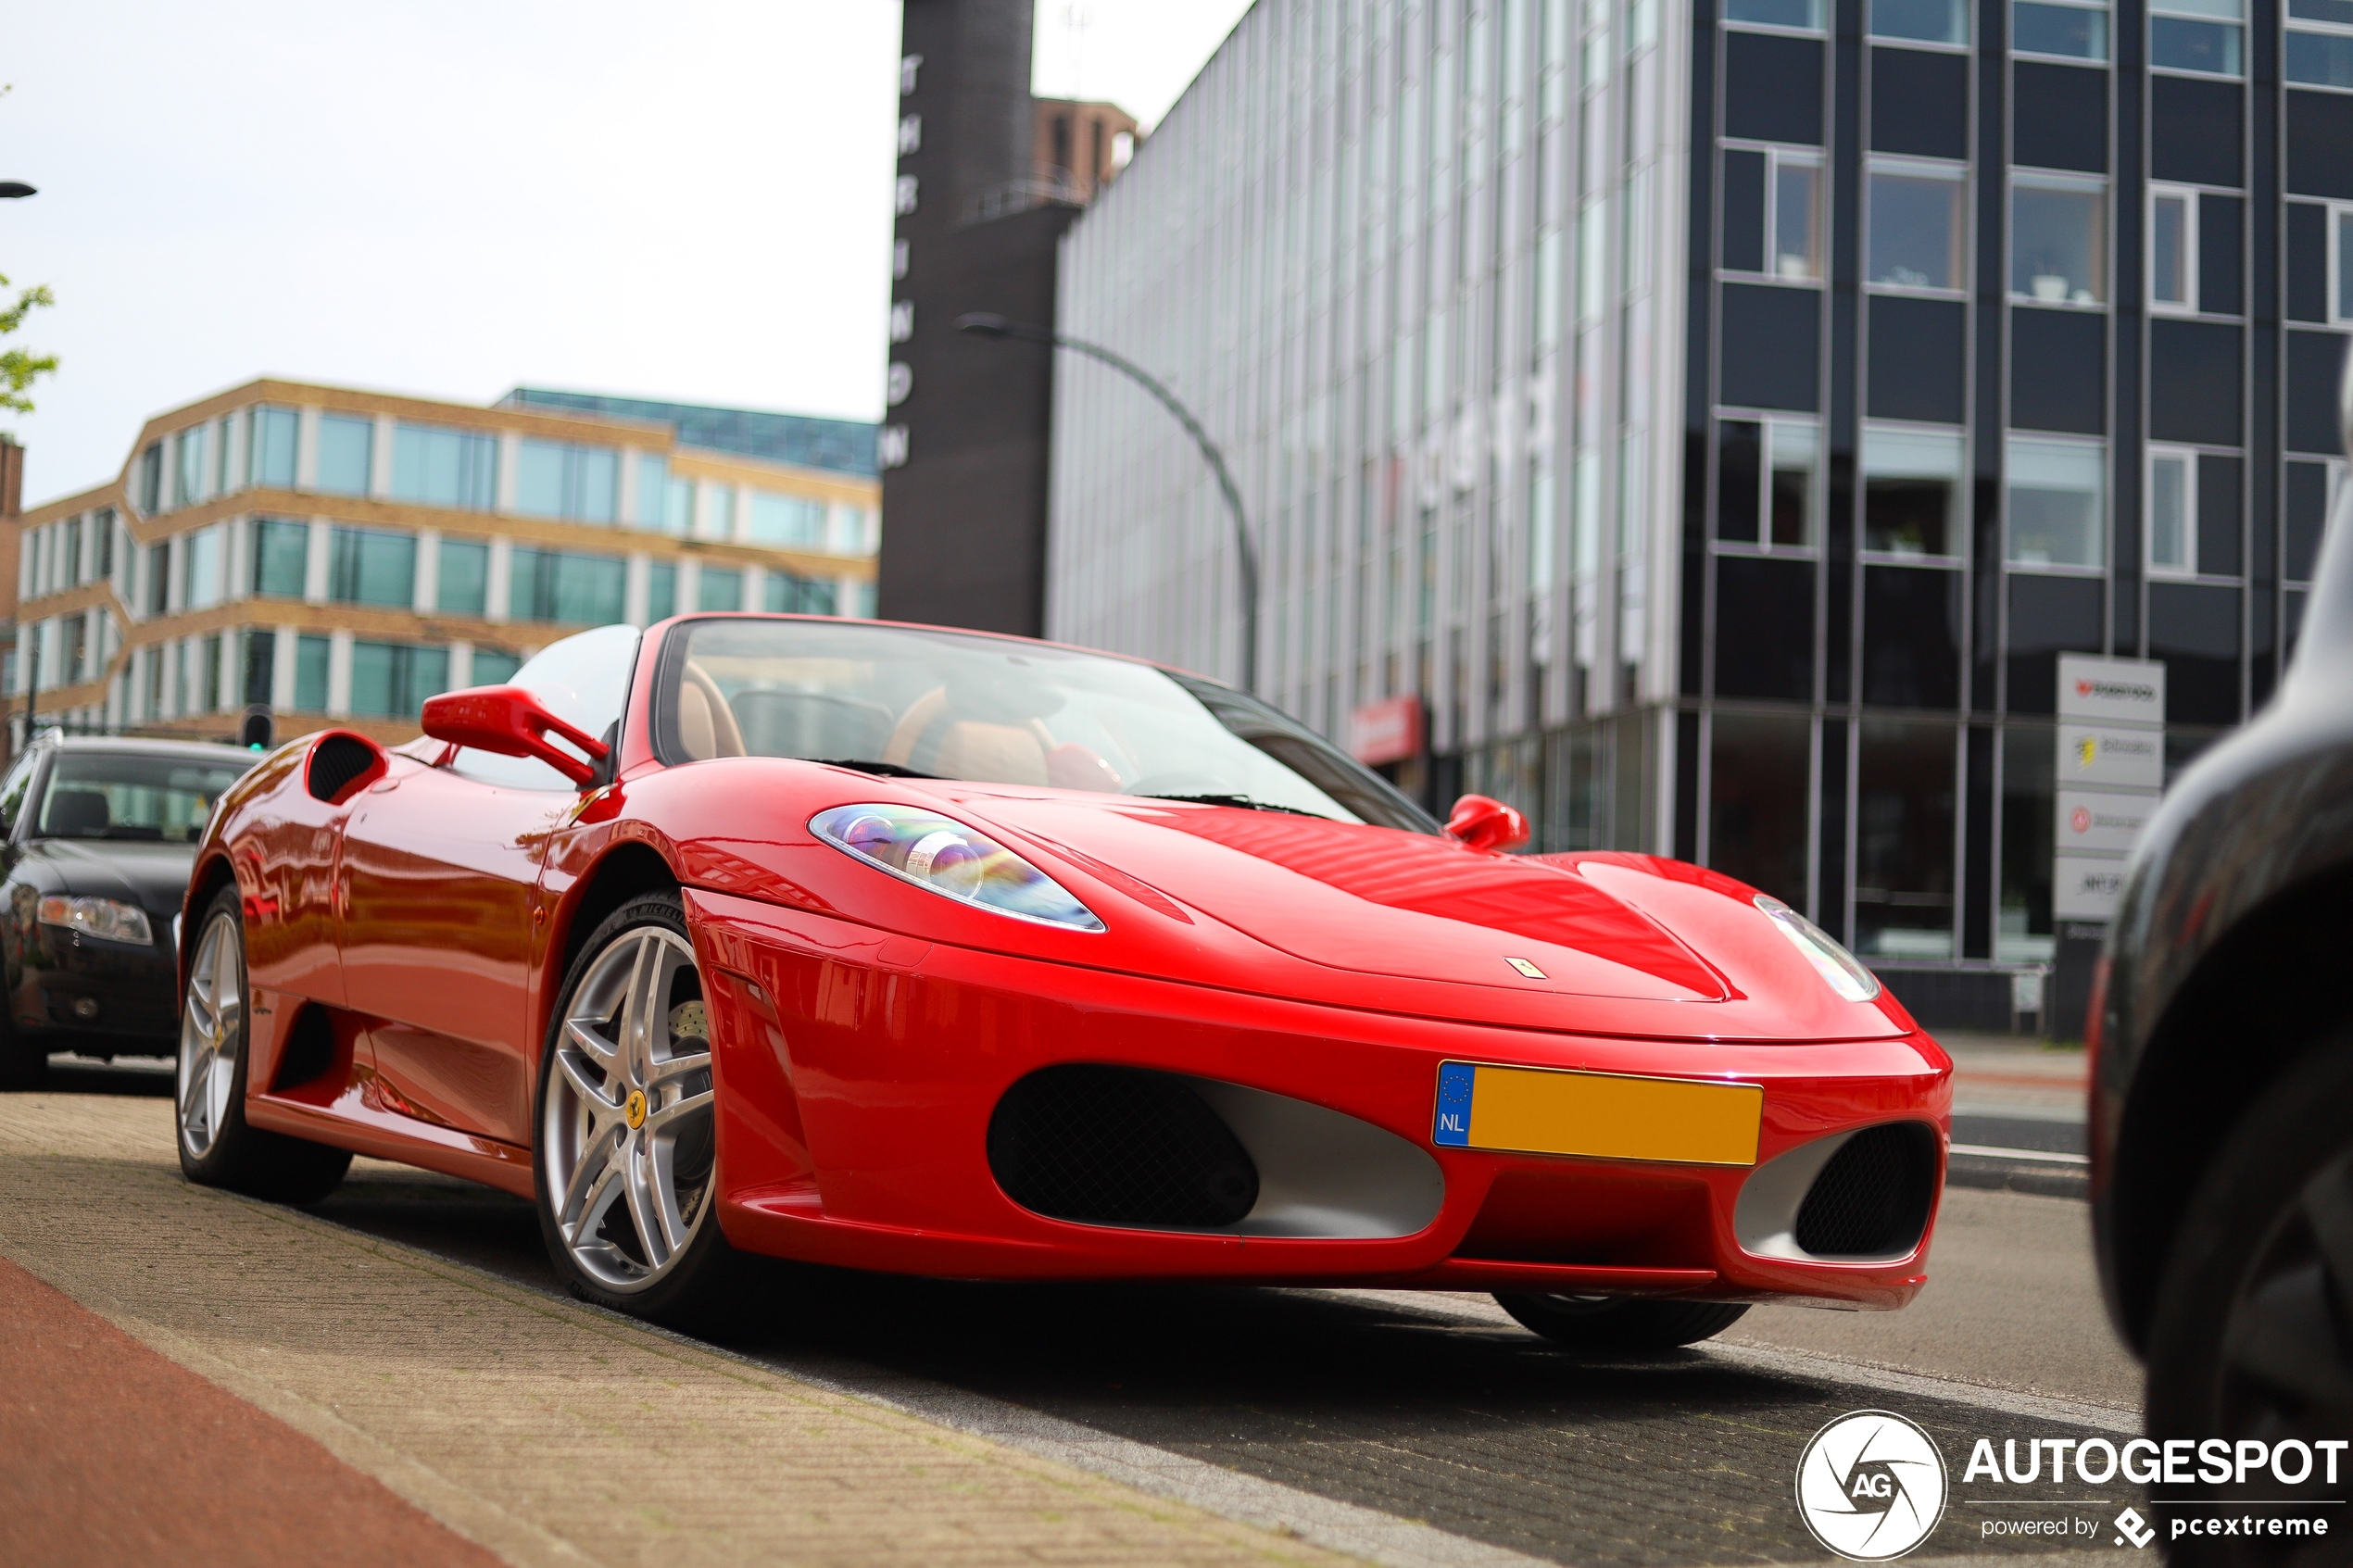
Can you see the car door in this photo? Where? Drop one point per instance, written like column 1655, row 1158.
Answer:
column 440, row 868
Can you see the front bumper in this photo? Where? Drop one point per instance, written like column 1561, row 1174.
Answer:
column 858, row 1072
column 82, row 991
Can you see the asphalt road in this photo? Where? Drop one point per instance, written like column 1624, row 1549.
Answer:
column 1429, row 1408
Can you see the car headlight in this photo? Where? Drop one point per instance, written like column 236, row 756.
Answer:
column 1843, row 970
column 952, row 860
column 98, row 917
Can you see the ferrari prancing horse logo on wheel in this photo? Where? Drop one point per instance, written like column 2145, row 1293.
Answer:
column 634, row 1109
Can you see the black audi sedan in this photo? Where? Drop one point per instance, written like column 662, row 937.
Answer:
column 98, row 837
column 2221, row 1117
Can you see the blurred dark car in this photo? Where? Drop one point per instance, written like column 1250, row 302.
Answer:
column 2221, row 1114
column 96, row 840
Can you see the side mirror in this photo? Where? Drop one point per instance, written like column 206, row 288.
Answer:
column 1483, row 822
column 510, row 721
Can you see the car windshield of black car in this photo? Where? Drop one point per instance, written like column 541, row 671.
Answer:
column 125, row 795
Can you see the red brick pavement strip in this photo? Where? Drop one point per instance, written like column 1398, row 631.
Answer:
column 112, row 1456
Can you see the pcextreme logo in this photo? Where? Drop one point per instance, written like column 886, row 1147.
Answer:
column 1871, row 1485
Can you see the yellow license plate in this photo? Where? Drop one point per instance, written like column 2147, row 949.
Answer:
column 1598, row 1115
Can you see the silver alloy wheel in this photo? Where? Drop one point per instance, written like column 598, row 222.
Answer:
column 626, row 1130
column 210, row 1024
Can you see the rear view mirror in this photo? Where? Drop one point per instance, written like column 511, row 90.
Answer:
column 510, row 721
column 1483, row 822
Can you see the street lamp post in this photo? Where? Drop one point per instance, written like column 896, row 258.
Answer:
column 1246, row 554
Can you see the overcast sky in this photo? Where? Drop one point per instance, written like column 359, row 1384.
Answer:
column 687, row 201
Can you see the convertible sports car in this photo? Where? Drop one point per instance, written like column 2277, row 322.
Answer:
column 937, row 953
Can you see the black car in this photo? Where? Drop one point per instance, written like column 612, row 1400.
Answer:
column 2222, row 1118
column 98, row 837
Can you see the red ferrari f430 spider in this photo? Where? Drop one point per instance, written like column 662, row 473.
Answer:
column 936, row 953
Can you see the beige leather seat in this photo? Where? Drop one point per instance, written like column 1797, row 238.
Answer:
column 707, row 725
column 991, row 753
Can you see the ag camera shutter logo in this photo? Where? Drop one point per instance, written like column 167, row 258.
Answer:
column 1872, row 1485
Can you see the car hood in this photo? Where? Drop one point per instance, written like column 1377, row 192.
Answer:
column 153, row 876
column 1626, row 943
column 1380, row 900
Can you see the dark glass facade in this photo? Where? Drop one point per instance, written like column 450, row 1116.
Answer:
column 1747, row 524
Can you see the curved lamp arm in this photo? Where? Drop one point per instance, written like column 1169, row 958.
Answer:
column 985, row 324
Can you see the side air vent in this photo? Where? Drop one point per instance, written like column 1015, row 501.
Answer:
column 1873, row 1197
column 1119, row 1146
column 339, row 761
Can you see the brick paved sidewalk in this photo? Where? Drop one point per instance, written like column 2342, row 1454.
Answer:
column 547, row 1432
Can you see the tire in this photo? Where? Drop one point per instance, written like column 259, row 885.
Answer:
column 624, row 1155
column 1613, row 1323
column 218, row 1146
column 2250, row 1336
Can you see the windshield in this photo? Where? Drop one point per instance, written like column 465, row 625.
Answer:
column 122, row 795
column 919, row 704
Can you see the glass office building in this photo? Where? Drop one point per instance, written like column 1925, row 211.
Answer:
column 1721, row 417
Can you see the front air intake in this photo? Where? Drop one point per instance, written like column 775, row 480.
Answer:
column 1873, row 1197
column 1119, row 1146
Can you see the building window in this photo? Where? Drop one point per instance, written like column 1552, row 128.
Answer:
column 787, row 519
column 1904, row 800
column 347, row 452
column 261, row 663
column 791, row 595
column 372, row 566
column 1918, row 224
column 1760, row 768
column 461, row 580
column 271, row 438
column 1806, row 14
column 2074, row 33
column 200, row 686
column 442, row 467
column 2322, row 55
column 494, row 667
column 1772, row 212
column 200, row 583
column 718, row 511
column 564, row 585
column 151, row 479
column 2172, row 249
column 2201, row 35
column 561, row 478
column 718, row 588
column 2173, row 531
column 311, row 657
column 664, row 503
column 392, row 680
column 187, row 475
column 661, row 591
column 2341, row 266
column 1924, row 21
column 280, row 558
column 1912, row 489
column 225, row 479
column 1768, row 479
column 2058, row 503
column 2058, row 240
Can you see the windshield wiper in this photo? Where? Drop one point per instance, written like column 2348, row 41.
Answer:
column 1248, row 803
column 880, row 770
